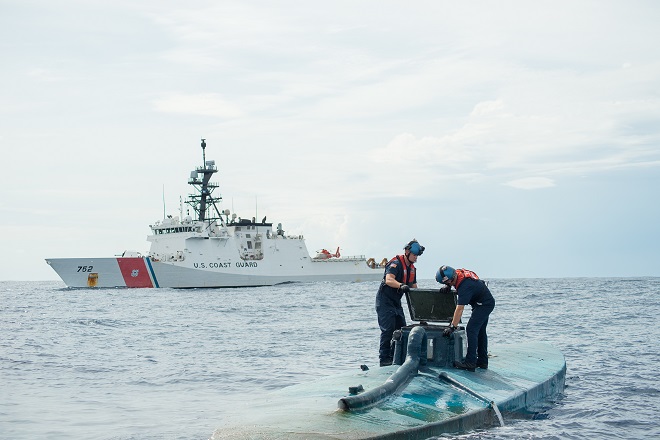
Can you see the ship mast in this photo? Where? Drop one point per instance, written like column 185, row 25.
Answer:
column 204, row 199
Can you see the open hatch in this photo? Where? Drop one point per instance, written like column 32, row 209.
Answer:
column 431, row 305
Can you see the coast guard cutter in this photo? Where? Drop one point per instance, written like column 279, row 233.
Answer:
column 215, row 249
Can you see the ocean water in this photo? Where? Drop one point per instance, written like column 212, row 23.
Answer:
column 170, row 364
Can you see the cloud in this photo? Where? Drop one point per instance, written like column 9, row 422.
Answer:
column 531, row 183
column 209, row 104
column 47, row 75
column 328, row 108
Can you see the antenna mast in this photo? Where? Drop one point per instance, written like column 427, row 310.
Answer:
column 204, row 153
column 204, row 199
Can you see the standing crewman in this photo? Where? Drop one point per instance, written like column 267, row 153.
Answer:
column 471, row 290
column 399, row 277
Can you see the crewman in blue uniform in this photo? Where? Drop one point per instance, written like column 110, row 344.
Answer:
column 400, row 275
column 470, row 290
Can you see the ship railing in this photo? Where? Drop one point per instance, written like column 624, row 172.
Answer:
column 342, row 258
column 199, row 182
column 289, row 237
column 207, row 167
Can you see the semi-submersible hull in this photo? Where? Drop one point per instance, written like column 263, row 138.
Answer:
column 432, row 401
column 420, row 396
column 215, row 248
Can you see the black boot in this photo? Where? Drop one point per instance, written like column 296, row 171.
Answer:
column 464, row 366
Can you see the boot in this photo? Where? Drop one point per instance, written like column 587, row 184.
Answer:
column 464, row 366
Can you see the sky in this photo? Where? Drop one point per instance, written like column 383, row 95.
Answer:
column 512, row 138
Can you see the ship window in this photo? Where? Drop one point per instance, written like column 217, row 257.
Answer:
column 247, row 235
column 257, row 245
column 249, row 244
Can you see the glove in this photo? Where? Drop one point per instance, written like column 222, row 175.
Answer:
column 448, row 331
column 404, row 288
column 445, row 290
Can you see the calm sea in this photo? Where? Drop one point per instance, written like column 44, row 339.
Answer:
column 169, row 364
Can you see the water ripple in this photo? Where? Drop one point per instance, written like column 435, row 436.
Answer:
column 165, row 363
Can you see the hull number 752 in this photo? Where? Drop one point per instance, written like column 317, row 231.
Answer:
column 85, row 268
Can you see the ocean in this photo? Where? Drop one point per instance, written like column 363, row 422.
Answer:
column 166, row 364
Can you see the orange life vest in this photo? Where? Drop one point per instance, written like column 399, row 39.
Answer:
column 461, row 274
column 408, row 275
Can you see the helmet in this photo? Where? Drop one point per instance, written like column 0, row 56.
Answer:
column 414, row 247
column 445, row 274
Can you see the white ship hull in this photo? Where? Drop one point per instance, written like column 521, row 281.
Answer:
column 142, row 272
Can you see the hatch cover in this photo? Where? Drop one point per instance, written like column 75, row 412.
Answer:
column 431, row 305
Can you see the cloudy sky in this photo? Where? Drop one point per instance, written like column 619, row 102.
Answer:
column 514, row 138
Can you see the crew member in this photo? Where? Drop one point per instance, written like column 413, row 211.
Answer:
column 399, row 277
column 471, row 290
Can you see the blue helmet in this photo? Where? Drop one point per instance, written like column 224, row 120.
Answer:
column 414, row 247
column 445, row 274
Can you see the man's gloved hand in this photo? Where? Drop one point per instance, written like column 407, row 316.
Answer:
column 445, row 290
column 404, row 288
column 448, row 331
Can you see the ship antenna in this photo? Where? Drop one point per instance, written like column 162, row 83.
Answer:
column 203, row 152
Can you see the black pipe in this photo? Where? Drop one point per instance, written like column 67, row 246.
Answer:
column 395, row 381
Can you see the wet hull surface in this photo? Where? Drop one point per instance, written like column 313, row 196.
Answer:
column 518, row 376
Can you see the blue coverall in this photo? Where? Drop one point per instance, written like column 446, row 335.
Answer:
column 388, row 304
column 476, row 293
